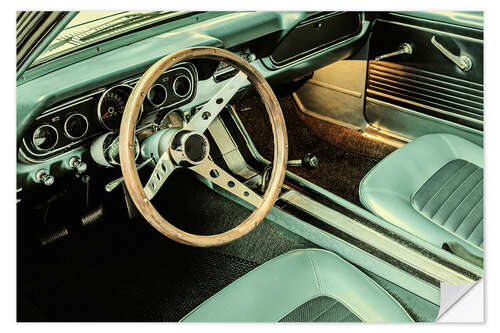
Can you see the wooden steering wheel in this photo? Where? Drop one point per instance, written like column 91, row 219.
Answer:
column 189, row 148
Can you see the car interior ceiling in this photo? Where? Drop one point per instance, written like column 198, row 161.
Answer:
column 86, row 254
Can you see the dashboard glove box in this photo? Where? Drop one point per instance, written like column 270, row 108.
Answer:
column 316, row 33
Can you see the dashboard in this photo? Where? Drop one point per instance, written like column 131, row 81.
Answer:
column 73, row 123
column 71, row 112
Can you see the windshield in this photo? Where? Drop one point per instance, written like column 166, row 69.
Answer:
column 87, row 28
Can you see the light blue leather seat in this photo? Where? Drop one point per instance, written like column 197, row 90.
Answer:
column 433, row 188
column 301, row 285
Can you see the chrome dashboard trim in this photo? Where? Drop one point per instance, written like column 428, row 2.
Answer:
column 193, row 79
column 71, row 103
column 42, row 157
column 66, row 131
column 190, row 86
column 100, row 103
column 50, row 152
column 33, row 137
column 164, row 100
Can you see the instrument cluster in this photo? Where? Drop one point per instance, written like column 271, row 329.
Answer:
column 72, row 123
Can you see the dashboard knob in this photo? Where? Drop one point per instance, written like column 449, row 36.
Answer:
column 77, row 164
column 43, row 177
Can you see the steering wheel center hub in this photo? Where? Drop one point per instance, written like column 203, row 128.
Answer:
column 189, row 148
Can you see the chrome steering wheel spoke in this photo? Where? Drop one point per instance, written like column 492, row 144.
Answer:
column 162, row 170
column 211, row 110
column 211, row 171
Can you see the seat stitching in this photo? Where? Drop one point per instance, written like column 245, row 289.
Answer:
column 470, row 212
column 369, row 280
column 442, row 186
column 340, row 320
column 257, row 269
column 462, row 201
column 447, row 230
column 316, row 274
column 454, row 191
column 448, row 198
column 356, row 312
column 345, row 316
column 325, row 310
column 475, row 227
column 294, row 307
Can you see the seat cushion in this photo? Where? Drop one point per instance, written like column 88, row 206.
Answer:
column 301, row 285
column 433, row 188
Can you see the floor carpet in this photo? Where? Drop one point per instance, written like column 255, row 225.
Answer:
column 124, row 270
column 345, row 155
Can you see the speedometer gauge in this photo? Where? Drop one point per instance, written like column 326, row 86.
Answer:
column 111, row 107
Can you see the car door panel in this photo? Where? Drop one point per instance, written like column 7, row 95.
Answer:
column 424, row 92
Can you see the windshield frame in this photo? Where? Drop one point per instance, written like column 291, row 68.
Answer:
column 115, row 42
column 104, row 30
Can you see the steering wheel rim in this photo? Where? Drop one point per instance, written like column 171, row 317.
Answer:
column 127, row 158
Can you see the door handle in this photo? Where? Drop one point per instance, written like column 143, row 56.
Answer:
column 404, row 48
column 463, row 62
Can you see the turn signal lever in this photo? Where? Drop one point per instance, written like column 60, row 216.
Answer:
column 309, row 161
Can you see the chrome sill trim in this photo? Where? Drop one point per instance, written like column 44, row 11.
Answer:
column 371, row 237
column 442, row 254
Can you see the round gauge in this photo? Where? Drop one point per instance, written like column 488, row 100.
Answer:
column 111, row 106
column 45, row 137
column 76, row 126
column 182, row 86
column 173, row 119
column 157, row 95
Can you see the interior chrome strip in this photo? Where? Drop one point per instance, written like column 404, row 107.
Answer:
column 453, row 35
column 55, row 150
column 190, row 86
column 71, row 103
column 193, row 76
column 41, row 126
column 442, row 254
column 370, row 236
column 448, row 113
column 425, row 116
column 66, row 125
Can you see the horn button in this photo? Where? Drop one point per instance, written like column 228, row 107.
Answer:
column 189, row 148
